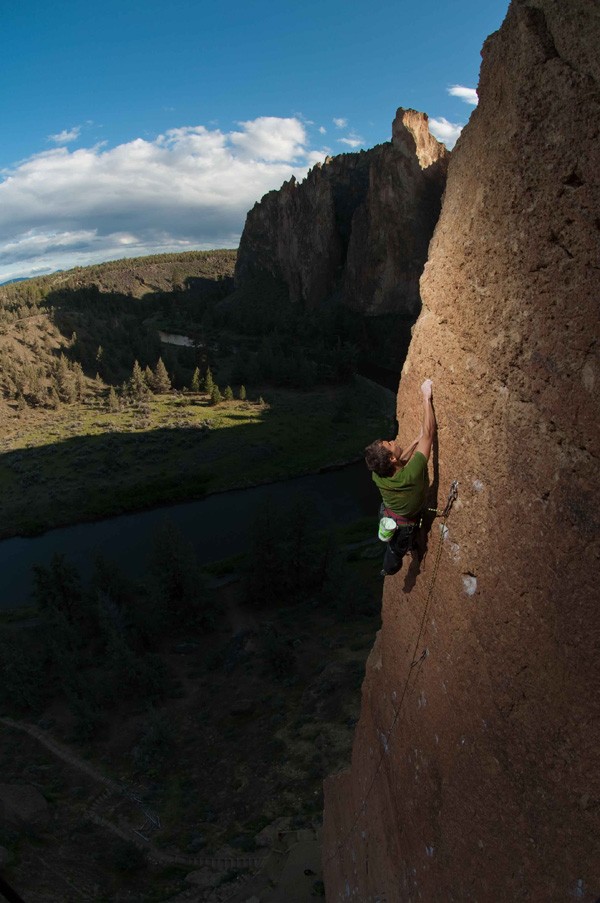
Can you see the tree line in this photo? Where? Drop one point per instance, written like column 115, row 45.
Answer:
column 98, row 643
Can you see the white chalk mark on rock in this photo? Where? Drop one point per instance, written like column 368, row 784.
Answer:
column 470, row 584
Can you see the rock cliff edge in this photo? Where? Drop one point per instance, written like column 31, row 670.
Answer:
column 482, row 781
column 329, row 235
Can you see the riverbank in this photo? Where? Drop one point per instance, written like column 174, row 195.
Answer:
column 222, row 524
column 85, row 463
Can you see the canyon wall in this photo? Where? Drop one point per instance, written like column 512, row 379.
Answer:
column 476, row 765
column 330, row 233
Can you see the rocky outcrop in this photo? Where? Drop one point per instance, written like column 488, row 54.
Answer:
column 329, row 234
column 475, row 770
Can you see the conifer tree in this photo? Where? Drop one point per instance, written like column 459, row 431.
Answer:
column 228, row 393
column 243, row 395
column 149, row 377
column 78, row 380
column 65, row 381
column 162, row 382
column 209, row 382
column 215, row 395
column 112, row 402
column 137, row 384
column 195, row 386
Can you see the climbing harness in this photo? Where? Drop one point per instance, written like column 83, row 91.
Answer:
column 416, row 664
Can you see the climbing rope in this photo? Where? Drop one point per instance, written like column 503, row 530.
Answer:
column 416, row 663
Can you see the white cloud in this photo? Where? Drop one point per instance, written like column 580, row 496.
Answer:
column 445, row 131
column 66, row 136
column 188, row 188
column 352, row 140
column 317, row 156
column 322, row 130
column 340, row 123
column 469, row 95
column 269, row 138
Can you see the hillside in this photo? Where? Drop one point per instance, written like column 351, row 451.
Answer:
column 101, row 318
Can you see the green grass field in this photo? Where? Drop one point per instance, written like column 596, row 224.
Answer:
column 83, row 462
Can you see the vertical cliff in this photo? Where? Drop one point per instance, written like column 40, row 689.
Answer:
column 329, row 234
column 476, row 768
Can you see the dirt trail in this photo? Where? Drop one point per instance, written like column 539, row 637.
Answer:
column 264, row 870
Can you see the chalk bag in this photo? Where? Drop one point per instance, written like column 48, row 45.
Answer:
column 387, row 528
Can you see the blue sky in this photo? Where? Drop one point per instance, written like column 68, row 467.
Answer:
column 141, row 127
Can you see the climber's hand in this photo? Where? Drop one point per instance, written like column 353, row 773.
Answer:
column 426, row 388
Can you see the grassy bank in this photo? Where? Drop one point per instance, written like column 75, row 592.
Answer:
column 84, row 462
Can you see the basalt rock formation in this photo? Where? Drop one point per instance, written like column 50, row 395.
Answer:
column 476, row 765
column 330, row 233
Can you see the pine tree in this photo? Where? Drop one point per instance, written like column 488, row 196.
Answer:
column 209, row 382
column 137, row 384
column 228, row 393
column 149, row 377
column 79, row 380
column 162, row 383
column 65, row 381
column 243, row 395
column 195, row 386
column 112, row 402
column 215, row 395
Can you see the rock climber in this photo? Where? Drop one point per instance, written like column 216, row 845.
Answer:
column 401, row 476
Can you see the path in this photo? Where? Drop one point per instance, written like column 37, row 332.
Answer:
column 285, row 861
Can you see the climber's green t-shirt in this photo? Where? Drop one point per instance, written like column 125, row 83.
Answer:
column 405, row 493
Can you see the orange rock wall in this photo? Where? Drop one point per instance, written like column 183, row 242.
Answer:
column 486, row 785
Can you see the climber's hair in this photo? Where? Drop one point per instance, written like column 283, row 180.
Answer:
column 379, row 459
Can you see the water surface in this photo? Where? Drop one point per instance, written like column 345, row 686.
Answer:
column 217, row 526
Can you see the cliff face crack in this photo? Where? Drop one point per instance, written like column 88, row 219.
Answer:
column 555, row 240
column 573, row 180
column 536, row 21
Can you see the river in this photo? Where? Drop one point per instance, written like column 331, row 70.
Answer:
column 218, row 526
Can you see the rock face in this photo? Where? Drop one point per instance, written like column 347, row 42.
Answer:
column 329, row 234
column 476, row 769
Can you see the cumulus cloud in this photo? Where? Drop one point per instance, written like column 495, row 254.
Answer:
column 445, row 131
column 66, row 136
column 322, row 130
column 340, row 123
column 469, row 95
column 352, row 140
column 269, row 138
column 188, row 188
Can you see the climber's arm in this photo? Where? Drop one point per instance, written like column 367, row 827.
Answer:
column 428, row 427
column 405, row 454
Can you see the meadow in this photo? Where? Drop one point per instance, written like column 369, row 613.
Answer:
column 83, row 462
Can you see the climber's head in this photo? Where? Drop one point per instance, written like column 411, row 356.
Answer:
column 380, row 457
